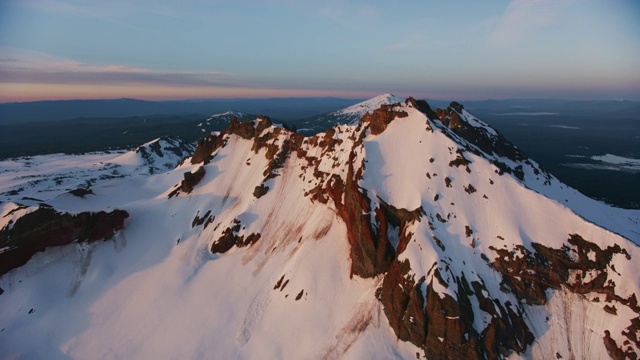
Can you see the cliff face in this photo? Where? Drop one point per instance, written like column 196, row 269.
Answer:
column 46, row 227
column 415, row 232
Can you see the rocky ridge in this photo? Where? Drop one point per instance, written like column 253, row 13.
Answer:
column 442, row 323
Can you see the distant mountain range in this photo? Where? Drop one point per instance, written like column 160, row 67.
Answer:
column 288, row 109
column 282, row 108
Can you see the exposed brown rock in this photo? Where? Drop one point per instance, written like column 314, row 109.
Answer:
column 371, row 254
column 442, row 327
column 450, row 334
column 46, row 227
column 529, row 274
column 507, row 331
column 454, row 121
column 460, row 160
column 279, row 283
column 614, row 351
column 230, row 237
column 403, row 303
column 381, row 117
column 245, row 129
column 633, row 332
column 260, row 190
column 204, row 149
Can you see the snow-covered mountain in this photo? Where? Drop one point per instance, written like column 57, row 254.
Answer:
column 347, row 116
column 352, row 114
column 219, row 122
column 413, row 233
column 38, row 179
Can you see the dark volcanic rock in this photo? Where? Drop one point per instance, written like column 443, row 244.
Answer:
column 204, row 148
column 81, row 192
column 260, row 190
column 423, row 107
column 192, row 179
column 45, row 227
column 489, row 143
column 230, row 237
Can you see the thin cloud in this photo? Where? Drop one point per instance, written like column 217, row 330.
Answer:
column 524, row 16
column 414, row 41
column 89, row 10
column 346, row 15
column 31, row 67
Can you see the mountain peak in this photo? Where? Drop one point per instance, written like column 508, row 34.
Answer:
column 355, row 112
column 414, row 225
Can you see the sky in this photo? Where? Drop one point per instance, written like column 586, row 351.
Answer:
column 196, row 49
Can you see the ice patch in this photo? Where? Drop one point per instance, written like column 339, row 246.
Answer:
column 565, row 127
column 607, row 162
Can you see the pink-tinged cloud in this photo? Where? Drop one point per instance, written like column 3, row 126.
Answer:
column 28, row 75
column 29, row 67
column 523, row 16
column 10, row 92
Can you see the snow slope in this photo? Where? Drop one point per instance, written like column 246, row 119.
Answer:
column 288, row 285
column 352, row 114
column 37, row 179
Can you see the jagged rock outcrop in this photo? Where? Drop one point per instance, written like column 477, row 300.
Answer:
column 529, row 275
column 371, row 250
column 381, row 117
column 46, row 227
column 163, row 153
column 204, row 148
column 488, row 141
column 190, row 180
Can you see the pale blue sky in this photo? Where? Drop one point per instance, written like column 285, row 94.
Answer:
column 587, row 49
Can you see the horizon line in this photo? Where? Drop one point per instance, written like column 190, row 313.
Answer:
column 467, row 99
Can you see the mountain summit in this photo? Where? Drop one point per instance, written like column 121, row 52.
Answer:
column 347, row 116
column 415, row 232
column 352, row 114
